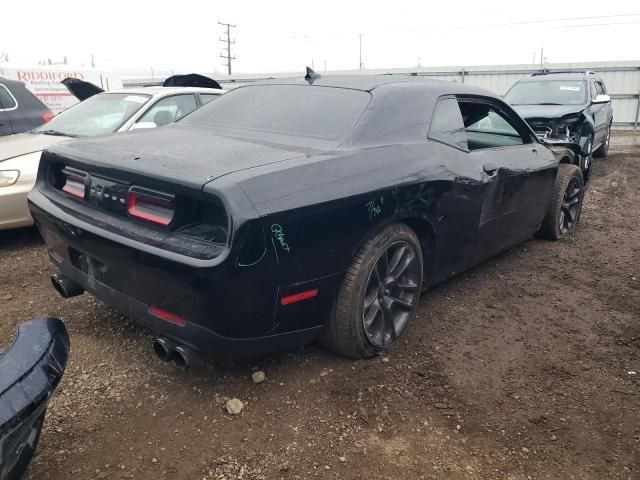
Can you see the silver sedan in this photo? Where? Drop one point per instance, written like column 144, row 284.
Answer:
column 101, row 114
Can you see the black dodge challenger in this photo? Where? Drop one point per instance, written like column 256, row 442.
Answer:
column 298, row 209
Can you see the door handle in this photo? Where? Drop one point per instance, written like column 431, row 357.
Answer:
column 490, row 168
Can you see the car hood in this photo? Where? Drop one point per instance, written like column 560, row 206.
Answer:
column 186, row 154
column 23, row 143
column 81, row 89
column 547, row 111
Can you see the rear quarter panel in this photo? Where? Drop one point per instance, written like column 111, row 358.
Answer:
column 317, row 211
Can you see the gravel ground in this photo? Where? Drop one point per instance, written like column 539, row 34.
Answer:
column 519, row 369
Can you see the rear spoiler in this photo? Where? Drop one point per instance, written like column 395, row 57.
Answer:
column 31, row 369
column 81, row 89
column 191, row 80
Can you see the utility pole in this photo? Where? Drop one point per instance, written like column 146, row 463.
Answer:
column 360, row 64
column 227, row 56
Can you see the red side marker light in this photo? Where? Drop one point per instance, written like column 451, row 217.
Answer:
column 167, row 316
column 298, row 297
column 47, row 116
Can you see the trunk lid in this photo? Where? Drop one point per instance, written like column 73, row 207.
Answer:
column 187, row 155
column 81, row 89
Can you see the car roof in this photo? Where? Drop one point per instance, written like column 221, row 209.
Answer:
column 163, row 91
column 368, row 83
column 559, row 76
column 10, row 82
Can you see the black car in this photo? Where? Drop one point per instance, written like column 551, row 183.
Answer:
column 296, row 209
column 570, row 106
column 20, row 110
column 31, row 368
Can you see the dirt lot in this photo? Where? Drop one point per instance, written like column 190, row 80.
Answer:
column 521, row 368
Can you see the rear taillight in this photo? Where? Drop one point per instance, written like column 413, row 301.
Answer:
column 73, row 183
column 47, row 116
column 151, row 206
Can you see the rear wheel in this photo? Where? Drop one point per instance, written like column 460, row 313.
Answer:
column 603, row 150
column 566, row 204
column 378, row 296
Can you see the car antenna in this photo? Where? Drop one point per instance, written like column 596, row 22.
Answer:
column 311, row 76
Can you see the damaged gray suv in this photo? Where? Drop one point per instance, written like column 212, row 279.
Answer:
column 569, row 106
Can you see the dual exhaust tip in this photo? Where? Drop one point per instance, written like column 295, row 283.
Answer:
column 66, row 287
column 169, row 351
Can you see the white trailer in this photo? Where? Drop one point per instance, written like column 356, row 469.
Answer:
column 44, row 82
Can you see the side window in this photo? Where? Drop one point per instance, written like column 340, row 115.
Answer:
column 207, row 97
column 169, row 110
column 600, row 88
column 446, row 124
column 488, row 127
column 7, row 101
column 594, row 90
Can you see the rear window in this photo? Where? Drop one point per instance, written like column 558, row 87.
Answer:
column 7, row 102
column 296, row 110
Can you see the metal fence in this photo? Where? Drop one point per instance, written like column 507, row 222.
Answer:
column 622, row 80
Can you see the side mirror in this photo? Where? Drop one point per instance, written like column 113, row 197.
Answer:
column 602, row 99
column 139, row 125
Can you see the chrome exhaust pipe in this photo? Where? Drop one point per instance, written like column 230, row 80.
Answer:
column 66, row 287
column 186, row 358
column 164, row 348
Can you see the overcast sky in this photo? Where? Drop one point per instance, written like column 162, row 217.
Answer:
column 287, row 35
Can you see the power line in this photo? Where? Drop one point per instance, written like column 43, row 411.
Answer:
column 488, row 25
column 227, row 56
column 532, row 22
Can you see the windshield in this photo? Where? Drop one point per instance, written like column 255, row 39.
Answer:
column 294, row 110
column 548, row 92
column 98, row 115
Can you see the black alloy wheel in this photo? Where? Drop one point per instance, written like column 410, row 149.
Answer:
column 571, row 204
column 603, row 150
column 565, row 207
column 378, row 295
column 391, row 294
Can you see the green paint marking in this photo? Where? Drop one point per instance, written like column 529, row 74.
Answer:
column 373, row 208
column 279, row 236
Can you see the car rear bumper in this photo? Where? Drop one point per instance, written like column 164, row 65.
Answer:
column 31, row 369
column 225, row 307
column 196, row 336
column 14, row 210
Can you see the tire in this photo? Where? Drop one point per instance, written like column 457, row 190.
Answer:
column 367, row 289
column 566, row 204
column 589, row 146
column 603, row 150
